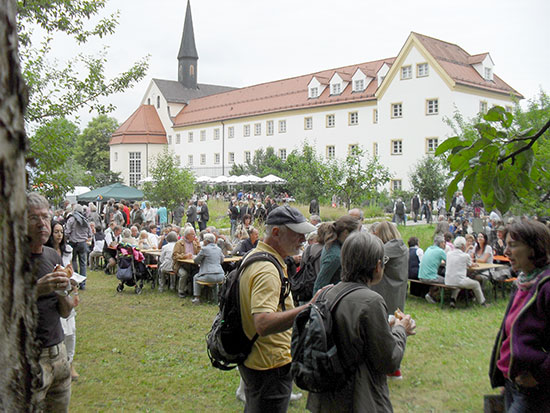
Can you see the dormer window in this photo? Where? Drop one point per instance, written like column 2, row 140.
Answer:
column 359, row 85
column 313, row 92
column 336, row 89
column 488, row 73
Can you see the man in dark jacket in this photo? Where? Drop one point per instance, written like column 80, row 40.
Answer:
column 203, row 215
column 78, row 232
column 192, row 214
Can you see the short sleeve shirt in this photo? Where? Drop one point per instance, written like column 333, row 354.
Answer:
column 48, row 330
column 430, row 263
column 259, row 290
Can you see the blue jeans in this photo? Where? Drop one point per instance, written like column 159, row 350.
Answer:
column 80, row 252
column 267, row 391
column 525, row 400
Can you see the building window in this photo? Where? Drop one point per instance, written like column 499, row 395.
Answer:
column 336, row 89
column 158, row 102
column 431, row 144
column 375, row 116
column 282, row 154
column 246, row 130
column 353, row 118
column 231, row 157
column 509, row 109
column 313, row 92
column 178, row 138
column 432, row 106
column 396, row 110
column 397, row 147
column 396, row 185
column 169, row 139
column 422, row 70
column 203, row 159
column 116, row 156
column 135, row 168
column 308, row 123
column 351, row 148
column 483, row 107
column 331, row 121
column 257, row 129
column 358, row 85
column 488, row 73
column 203, row 135
column 269, row 127
column 190, row 137
column 331, row 152
column 217, row 158
column 282, row 126
column 247, row 158
column 190, row 160
column 216, row 134
column 406, row 72
column 148, row 101
column 231, row 132
column 178, row 160
column 375, row 148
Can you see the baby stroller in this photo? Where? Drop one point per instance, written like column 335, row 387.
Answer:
column 131, row 268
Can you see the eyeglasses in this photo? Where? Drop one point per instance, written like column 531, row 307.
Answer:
column 36, row 218
column 385, row 259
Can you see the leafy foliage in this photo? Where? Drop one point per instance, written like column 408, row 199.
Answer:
column 92, row 145
column 171, row 184
column 355, row 180
column 501, row 161
column 429, row 178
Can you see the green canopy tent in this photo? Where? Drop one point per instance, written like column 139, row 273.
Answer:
column 116, row 191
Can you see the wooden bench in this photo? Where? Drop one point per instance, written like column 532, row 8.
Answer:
column 442, row 288
column 213, row 286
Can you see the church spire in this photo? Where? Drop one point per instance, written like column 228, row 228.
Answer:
column 188, row 56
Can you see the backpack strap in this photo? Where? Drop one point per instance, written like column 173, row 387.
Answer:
column 341, row 294
column 266, row 256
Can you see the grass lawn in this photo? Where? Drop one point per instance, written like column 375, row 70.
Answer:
column 147, row 353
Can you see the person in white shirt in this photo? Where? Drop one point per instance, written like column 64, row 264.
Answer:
column 153, row 237
column 166, row 264
column 458, row 262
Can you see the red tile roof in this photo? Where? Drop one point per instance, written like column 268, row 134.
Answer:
column 144, row 126
column 292, row 94
column 458, row 65
column 277, row 96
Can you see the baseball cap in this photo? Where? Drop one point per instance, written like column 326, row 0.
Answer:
column 290, row 217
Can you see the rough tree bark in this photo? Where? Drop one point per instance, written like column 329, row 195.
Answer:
column 18, row 352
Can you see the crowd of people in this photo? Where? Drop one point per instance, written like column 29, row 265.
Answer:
column 371, row 321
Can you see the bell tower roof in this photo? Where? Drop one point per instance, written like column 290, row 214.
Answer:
column 187, row 47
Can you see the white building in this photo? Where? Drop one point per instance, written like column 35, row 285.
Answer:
column 394, row 108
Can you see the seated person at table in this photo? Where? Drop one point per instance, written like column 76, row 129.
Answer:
column 499, row 244
column 112, row 238
column 186, row 248
column 456, row 268
column 483, row 251
column 166, row 264
column 210, row 259
column 432, row 259
column 221, row 240
column 153, row 237
column 127, row 237
column 247, row 244
column 143, row 241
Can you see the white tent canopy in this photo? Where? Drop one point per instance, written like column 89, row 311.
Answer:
column 241, row 180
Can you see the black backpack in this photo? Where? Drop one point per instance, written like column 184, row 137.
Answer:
column 301, row 284
column 226, row 343
column 400, row 208
column 316, row 364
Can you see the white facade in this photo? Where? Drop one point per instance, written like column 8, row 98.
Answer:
column 133, row 168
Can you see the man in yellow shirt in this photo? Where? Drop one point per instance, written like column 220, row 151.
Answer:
column 266, row 371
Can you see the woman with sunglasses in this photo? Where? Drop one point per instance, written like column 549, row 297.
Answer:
column 521, row 356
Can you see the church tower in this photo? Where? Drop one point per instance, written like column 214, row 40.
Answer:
column 188, row 56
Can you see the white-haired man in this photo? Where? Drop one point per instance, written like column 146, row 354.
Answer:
column 456, row 270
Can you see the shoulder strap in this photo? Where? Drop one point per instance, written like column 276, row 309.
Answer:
column 345, row 291
column 266, row 256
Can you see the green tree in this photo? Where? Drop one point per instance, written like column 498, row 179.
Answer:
column 501, row 161
column 92, row 145
column 171, row 184
column 305, row 172
column 58, row 89
column 429, row 178
column 355, row 180
column 51, row 147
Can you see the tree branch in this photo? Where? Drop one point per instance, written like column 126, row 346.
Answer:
column 533, row 140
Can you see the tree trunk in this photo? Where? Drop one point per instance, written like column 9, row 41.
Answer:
column 18, row 351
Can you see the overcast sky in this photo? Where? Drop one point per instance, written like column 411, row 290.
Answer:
column 246, row 42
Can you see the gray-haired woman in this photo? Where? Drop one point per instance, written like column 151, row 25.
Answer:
column 363, row 335
column 210, row 259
